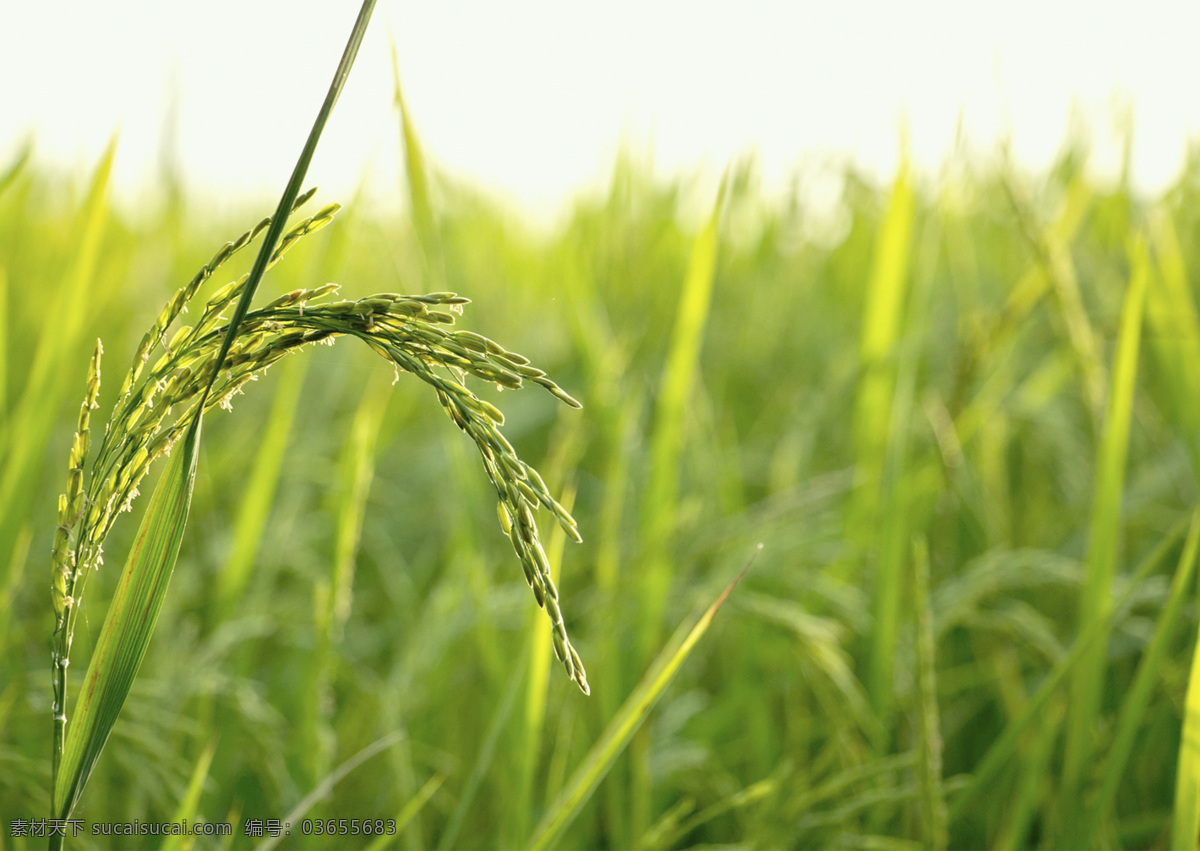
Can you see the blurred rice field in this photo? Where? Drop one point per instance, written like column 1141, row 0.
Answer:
column 961, row 413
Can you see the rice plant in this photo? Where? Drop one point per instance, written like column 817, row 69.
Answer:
column 960, row 413
column 412, row 332
column 206, row 365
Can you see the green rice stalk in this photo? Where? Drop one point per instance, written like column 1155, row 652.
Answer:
column 1088, row 679
column 64, row 561
column 133, row 439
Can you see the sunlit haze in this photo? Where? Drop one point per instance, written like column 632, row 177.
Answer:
column 532, row 100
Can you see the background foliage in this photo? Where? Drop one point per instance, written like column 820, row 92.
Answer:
column 913, row 400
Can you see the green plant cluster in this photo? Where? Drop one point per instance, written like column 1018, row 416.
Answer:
column 959, row 411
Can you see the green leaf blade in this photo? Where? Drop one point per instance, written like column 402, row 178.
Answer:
column 129, row 624
column 1185, row 825
column 1088, row 679
column 625, row 723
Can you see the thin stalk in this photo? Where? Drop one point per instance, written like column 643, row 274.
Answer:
column 279, row 220
column 1087, row 682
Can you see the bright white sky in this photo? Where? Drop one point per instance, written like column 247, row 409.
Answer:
column 531, row 99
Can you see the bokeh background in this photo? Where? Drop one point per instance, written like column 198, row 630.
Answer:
column 906, row 296
column 532, row 100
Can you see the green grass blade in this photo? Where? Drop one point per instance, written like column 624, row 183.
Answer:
column 1088, row 679
column 623, row 434
column 23, row 436
column 667, row 825
column 354, row 488
column 883, row 315
column 483, row 761
column 190, row 805
column 673, row 828
column 323, row 789
column 820, row 642
column 661, row 502
column 1185, row 822
column 408, row 812
column 665, row 442
column 623, row 725
column 1133, row 709
column 899, row 491
column 128, row 625
column 883, row 312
